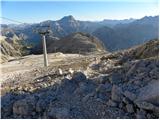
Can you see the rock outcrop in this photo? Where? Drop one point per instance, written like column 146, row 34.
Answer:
column 7, row 50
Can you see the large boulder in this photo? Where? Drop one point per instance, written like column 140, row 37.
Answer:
column 150, row 93
column 25, row 107
column 79, row 77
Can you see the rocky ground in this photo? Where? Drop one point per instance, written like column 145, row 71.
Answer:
column 123, row 84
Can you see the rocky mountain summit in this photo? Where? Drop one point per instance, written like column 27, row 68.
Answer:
column 122, row 84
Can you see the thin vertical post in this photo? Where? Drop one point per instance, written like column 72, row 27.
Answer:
column 45, row 51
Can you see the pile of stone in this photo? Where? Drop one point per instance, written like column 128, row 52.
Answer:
column 127, row 90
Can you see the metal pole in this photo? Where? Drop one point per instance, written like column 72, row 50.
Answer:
column 45, row 51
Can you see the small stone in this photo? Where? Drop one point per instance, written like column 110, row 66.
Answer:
column 20, row 88
column 40, row 105
column 87, row 97
column 141, row 114
column 104, row 79
column 103, row 96
column 46, row 78
column 125, row 100
column 104, row 88
column 116, row 93
column 147, row 106
column 59, row 113
column 59, row 72
column 130, row 108
column 112, row 103
column 115, row 78
column 121, row 105
column 130, row 95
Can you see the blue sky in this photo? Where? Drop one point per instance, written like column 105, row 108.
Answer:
column 37, row 11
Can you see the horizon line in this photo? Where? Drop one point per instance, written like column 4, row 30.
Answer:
column 20, row 22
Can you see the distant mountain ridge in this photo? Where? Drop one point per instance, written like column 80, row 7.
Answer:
column 115, row 34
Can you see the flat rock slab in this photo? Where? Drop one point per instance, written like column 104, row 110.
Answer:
column 150, row 93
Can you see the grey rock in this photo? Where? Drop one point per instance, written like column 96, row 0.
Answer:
column 47, row 78
column 68, row 85
column 7, row 104
column 104, row 79
column 79, row 77
column 147, row 106
column 130, row 95
column 103, row 96
column 112, row 103
column 149, row 93
column 87, row 97
column 102, row 88
column 126, row 100
column 130, row 108
column 116, row 94
column 141, row 114
column 59, row 113
column 84, row 88
column 25, row 106
column 41, row 105
column 115, row 78
column 121, row 105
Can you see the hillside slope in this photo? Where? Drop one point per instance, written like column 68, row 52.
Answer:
column 77, row 42
column 117, row 85
column 7, row 50
column 124, row 36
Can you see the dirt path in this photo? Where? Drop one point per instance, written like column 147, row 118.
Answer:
column 29, row 63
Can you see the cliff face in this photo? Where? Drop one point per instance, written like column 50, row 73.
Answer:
column 8, row 49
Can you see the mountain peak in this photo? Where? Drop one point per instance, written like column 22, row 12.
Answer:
column 68, row 18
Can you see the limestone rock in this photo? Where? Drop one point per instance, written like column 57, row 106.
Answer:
column 79, row 77
column 24, row 106
column 130, row 95
column 149, row 93
column 130, row 108
column 112, row 103
column 116, row 93
column 59, row 113
column 147, row 106
column 104, row 88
